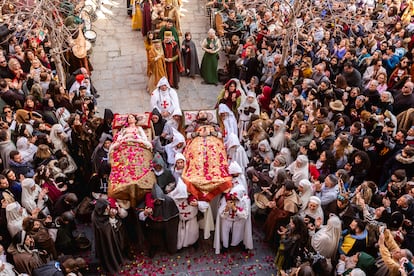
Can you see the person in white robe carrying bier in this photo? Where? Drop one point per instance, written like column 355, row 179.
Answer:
column 233, row 217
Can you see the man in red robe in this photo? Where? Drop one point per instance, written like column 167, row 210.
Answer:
column 172, row 59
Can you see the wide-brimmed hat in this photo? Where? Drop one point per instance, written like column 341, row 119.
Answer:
column 337, row 106
column 261, row 200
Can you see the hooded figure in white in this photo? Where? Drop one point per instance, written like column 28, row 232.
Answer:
column 247, row 108
column 326, row 240
column 176, row 169
column 59, row 138
column 265, row 151
column 235, row 152
column 229, row 121
column 278, row 140
column 26, row 149
column 176, row 146
column 166, row 101
column 278, row 164
column 234, row 216
column 188, row 206
column 33, row 197
column 313, row 209
column 15, row 214
column 172, row 124
column 238, row 175
column 305, row 188
column 299, row 169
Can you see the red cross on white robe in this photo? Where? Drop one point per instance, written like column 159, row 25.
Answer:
column 165, row 104
column 182, row 205
column 185, row 214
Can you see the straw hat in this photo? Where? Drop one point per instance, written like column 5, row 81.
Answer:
column 337, row 106
column 261, row 200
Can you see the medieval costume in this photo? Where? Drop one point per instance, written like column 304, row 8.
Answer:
column 136, row 21
column 109, row 238
column 188, row 230
column 248, row 107
column 211, row 46
column 172, row 59
column 234, row 217
column 230, row 96
column 166, row 101
column 190, row 57
column 287, row 203
column 229, row 121
column 156, row 64
column 160, row 217
column 25, row 256
column 15, row 214
column 235, row 152
column 146, row 16
column 165, row 178
column 33, row 197
column 176, row 146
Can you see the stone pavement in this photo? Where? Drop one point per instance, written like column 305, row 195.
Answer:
column 119, row 61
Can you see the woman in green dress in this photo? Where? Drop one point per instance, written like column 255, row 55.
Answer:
column 211, row 46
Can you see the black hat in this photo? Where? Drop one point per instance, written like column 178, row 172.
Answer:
column 396, row 220
column 82, row 87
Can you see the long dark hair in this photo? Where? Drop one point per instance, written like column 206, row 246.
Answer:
column 300, row 230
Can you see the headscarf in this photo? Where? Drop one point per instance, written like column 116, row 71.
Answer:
column 285, row 152
column 29, row 196
column 268, row 153
column 278, row 141
column 326, row 240
column 159, row 126
column 59, row 141
column 163, row 81
column 99, row 216
column 171, row 149
column 230, row 122
column 265, row 98
column 254, row 104
column 166, row 210
column 318, row 213
column 180, row 191
column 273, row 169
column 234, row 168
column 26, row 149
column 14, row 218
column 306, row 194
column 179, row 156
column 299, row 173
column 235, row 152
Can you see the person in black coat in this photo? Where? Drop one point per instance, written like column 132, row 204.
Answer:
column 110, row 242
column 190, row 57
column 160, row 216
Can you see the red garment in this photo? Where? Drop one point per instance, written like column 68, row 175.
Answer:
column 171, row 50
column 265, row 98
column 53, row 192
